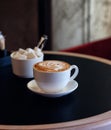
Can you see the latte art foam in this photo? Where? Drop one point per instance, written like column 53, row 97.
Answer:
column 52, row 66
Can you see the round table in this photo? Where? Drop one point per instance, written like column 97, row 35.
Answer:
column 85, row 108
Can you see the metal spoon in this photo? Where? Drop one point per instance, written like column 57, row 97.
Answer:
column 42, row 42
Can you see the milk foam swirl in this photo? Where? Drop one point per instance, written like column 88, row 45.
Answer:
column 52, row 65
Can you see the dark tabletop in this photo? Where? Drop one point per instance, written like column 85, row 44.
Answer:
column 20, row 106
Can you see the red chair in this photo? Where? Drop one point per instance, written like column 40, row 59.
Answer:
column 100, row 48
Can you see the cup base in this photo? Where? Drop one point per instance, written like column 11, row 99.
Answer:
column 69, row 88
column 50, row 88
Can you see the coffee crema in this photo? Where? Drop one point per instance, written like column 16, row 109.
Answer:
column 52, row 66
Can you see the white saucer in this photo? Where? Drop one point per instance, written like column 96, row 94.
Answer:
column 71, row 86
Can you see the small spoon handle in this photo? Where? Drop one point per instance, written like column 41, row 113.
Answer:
column 42, row 42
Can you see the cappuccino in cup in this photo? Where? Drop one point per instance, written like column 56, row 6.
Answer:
column 53, row 75
column 52, row 66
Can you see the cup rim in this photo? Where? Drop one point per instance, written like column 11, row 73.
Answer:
column 62, row 71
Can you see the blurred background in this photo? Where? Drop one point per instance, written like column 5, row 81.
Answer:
column 67, row 23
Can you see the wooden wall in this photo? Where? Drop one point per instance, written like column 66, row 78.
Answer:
column 18, row 22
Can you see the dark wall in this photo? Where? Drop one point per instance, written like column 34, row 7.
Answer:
column 45, row 21
column 19, row 23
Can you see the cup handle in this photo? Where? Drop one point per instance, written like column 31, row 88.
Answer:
column 74, row 75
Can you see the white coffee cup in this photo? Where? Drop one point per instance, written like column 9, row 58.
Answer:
column 50, row 80
column 24, row 67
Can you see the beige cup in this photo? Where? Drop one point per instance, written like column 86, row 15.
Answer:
column 24, row 67
column 52, row 75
